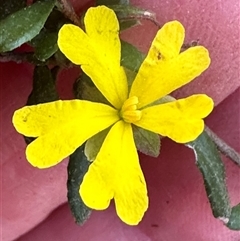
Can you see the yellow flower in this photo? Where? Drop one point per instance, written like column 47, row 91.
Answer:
column 62, row 126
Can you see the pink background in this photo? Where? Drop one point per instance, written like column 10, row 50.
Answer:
column 178, row 209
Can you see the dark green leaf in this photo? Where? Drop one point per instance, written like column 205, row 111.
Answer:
column 45, row 44
column 55, row 20
column 125, row 24
column 131, row 57
column 130, row 76
column 94, row 144
column 146, row 141
column 62, row 60
column 23, row 25
column 44, row 90
column 210, row 164
column 163, row 100
column 234, row 220
column 85, row 89
column 10, row 6
column 112, row 2
column 132, row 12
column 77, row 167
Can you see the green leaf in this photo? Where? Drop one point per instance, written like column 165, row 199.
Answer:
column 211, row 166
column 55, row 20
column 94, row 144
column 163, row 100
column 234, row 220
column 112, row 2
column 132, row 12
column 44, row 88
column 10, row 6
column 77, row 167
column 131, row 75
column 45, row 44
column 146, row 141
column 125, row 24
column 24, row 25
column 131, row 57
column 84, row 89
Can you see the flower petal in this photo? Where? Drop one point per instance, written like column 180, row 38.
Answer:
column 179, row 120
column 98, row 52
column 164, row 69
column 61, row 127
column 116, row 173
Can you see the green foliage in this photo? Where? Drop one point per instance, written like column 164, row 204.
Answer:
column 24, row 25
column 234, row 220
column 131, row 57
column 84, row 89
column 112, row 2
column 45, row 44
column 10, row 6
column 210, row 165
column 146, row 141
column 77, row 167
column 132, row 12
column 125, row 24
column 94, row 144
column 44, row 89
column 55, row 20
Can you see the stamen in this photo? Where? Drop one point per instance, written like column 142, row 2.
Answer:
column 129, row 111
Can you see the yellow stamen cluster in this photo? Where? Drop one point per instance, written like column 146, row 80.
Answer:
column 129, row 112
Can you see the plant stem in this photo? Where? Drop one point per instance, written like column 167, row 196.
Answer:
column 23, row 58
column 223, row 147
column 67, row 9
column 15, row 57
column 127, row 13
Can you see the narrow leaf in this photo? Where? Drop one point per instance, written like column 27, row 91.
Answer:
column 112, row 2
column 85, row 89
column 94, row 144
column 55, row 20
column 132, row 12
column 10, row 6
column 234, row 220
column 23, row 25
column 131, row 57
column 44, row 88
column 45, row 44
column 125, row 24
column 210, row 164
column 146, row 141
column 77, row 167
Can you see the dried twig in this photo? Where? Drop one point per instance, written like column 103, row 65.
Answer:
column 67, row 9
column 15, row 57
column 223, row 147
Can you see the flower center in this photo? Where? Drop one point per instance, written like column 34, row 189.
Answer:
column 129, row 112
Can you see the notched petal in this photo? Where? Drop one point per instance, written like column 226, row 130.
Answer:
column 116, row 173
column 61, row 127
column 98, row 52
column 164, row 69
column 179, row 120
